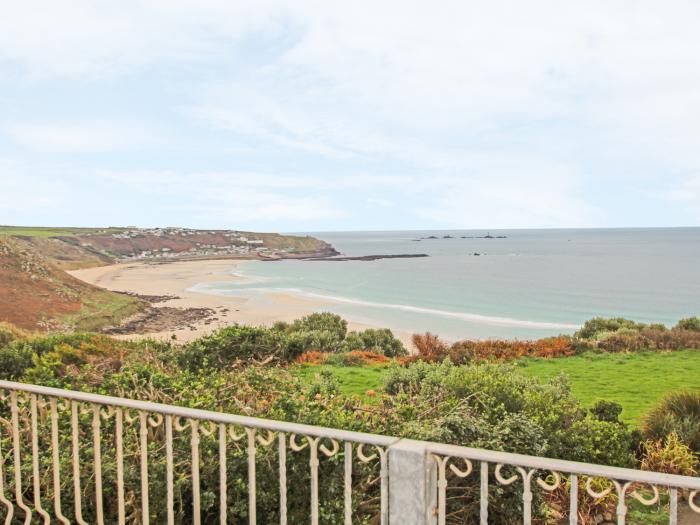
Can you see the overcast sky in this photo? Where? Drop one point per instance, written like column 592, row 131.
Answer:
column 323, row 115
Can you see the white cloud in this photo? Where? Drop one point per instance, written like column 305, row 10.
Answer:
column 93, row 136
column 507, row 111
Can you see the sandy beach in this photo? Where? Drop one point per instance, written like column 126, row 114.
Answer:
column 177, row 278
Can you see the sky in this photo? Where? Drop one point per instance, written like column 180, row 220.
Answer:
column 325, row 115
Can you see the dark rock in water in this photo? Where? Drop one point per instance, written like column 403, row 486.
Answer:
column 369, row 257
column 447, row 237
column 477, row 254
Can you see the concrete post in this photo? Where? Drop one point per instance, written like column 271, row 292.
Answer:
column 412, row 484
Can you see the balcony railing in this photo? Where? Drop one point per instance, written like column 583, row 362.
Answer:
column 74, row 457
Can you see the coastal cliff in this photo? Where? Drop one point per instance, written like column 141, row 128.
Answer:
column 36, row 293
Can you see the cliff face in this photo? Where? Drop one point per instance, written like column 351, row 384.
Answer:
column 35, row 294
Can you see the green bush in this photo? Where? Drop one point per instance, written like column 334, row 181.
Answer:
column 225, row 347
column 607, row 411
column 596, row 327
column 679, row 413
column 322, row 322
column 689, row 323
column 494, row 407
column 15, row 359
column 381, row 341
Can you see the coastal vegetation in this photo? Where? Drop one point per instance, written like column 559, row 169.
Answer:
column 315, row 371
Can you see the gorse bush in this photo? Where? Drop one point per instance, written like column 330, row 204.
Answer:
column 678, row 413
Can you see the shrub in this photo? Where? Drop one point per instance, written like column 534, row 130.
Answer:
column 494, row 407
column 689, row 323
column 15, row 359
column 624, row 340
column 594, row 328
column 467, row 351
column 669, row 455
column 234, row 343
column 606, row 411
column 321, row 322
column 430, row 347
column 679, row 413
column 375, row 340
column 324, row 332
column 9, row 333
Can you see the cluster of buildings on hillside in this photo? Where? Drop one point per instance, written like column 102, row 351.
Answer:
column 236, row 244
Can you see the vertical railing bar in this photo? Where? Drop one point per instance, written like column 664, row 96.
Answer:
column 252, row 496
column 36, row 479
column 384, row 494
column 442, row 489
column 573, row 500
column 673, row 506
column 223, row 504
column 143, row 445
column 3, row 499
column 75, row 442
column 119, row 437
column 56, row 462
column 17, row 459
column 348, row 482
column 282, row 448
column 484, row 494
column 97, row 457
column 313, row 465
column 194, row 427
column 527, row 496
column 170, row 503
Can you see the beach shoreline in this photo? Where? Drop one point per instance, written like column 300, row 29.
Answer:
column 174, row 283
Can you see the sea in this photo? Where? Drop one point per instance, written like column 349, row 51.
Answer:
column 493, row 284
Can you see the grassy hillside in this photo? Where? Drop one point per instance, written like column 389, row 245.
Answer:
column 36, row 294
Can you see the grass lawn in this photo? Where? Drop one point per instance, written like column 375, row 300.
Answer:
column 353, row 380
column 637, row 381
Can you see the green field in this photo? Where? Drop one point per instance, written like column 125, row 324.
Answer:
column 637, row 381
column 353, row 380
column 38, row 231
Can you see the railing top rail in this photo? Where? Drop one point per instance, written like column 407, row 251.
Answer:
column 506, row 458
column 207, row 415
column 564, row 466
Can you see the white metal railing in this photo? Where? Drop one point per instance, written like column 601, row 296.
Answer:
column 101, row 454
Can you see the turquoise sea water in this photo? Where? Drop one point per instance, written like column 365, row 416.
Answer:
column 531, row 284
